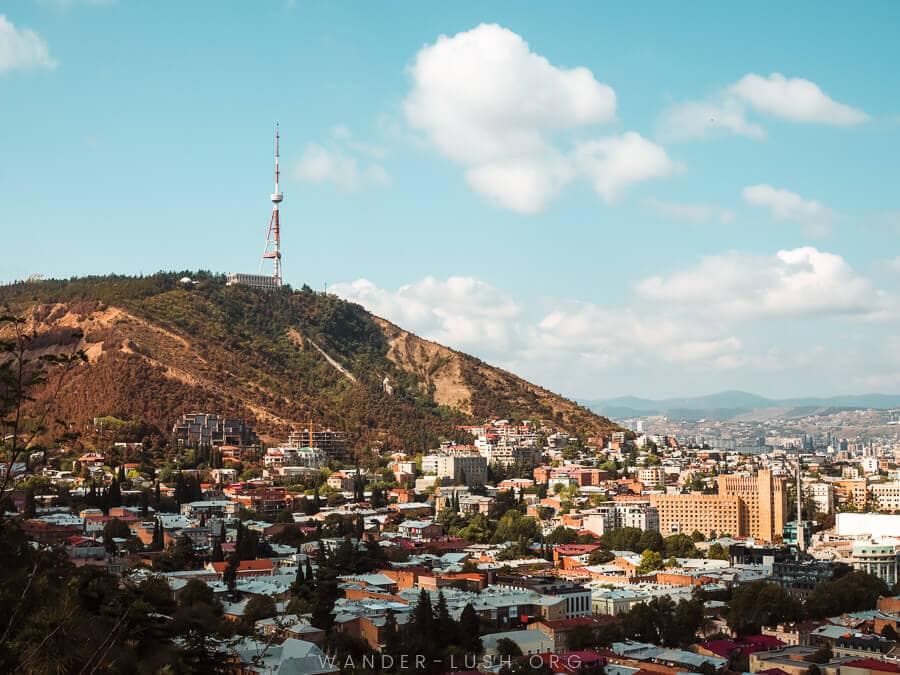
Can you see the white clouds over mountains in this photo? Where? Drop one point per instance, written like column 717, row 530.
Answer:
column 725, row 112
column 704, row 316
column 484, row 100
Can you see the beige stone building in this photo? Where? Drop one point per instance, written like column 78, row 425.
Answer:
column 746, row 506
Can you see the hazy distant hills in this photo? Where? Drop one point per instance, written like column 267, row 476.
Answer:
column 730, row 404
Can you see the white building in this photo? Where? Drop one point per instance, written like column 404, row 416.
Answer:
column 822, row 495
column 886, row 496
column 613, row 515
column 878, row 559
column 867, row 524
column 463, row 469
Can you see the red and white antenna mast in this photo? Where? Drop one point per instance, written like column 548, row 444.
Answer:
column 273, row 239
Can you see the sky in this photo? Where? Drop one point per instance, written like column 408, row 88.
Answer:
column 653, row 199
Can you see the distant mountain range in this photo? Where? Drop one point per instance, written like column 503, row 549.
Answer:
column 728, row 404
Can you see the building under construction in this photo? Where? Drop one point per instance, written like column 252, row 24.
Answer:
column 272, row 250
column 332, row 443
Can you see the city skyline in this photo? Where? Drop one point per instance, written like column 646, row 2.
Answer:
column 638, row 210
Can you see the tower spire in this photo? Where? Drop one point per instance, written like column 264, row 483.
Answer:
column 272, row 250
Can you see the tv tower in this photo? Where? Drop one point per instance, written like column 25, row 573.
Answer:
column 272, row 250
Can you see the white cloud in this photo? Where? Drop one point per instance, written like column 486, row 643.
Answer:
column 792, row 283
column 692, row 120
column 794, row 99
column 484, row 100
column 339, row 164
column 614, row 163
column 787, row 205
column 729, row 313
column 461, row 312
column 22, row 48
column 695, row 214
column 725, row 112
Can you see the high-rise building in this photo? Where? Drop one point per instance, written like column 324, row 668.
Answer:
column 763, row 502
column 746, row 506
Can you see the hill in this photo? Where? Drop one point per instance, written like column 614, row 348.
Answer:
column 158, row 348
column 738, row 405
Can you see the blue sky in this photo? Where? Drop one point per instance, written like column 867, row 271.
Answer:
column 607, row 198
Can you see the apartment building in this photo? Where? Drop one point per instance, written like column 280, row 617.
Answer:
column 822, row 495
column 651, row 476
column 851, row 491
column 763, row 502
column 467, row 470
column 886, row 496
column 208, row 430
column 709, row 514
column 612, row 515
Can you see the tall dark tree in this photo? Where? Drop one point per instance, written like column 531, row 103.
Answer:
column 445, row 626
column 115, row 493
column 217, row 554
column 469, row 628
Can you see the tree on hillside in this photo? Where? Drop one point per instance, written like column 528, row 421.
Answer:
column 22, row 415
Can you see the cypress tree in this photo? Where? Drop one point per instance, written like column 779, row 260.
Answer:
column 469, row 628
column 309, row 571
column 445, row 625
column 217, row 554
column 115, row 494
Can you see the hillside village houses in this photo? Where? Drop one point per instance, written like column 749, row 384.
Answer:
column 538, row 592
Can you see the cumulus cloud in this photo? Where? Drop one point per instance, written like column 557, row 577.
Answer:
column 461, row 312
column 614, row 163
column 694, row 214
column 787, row 205
column 484, row 100
column 794, row 99
column 792, row 283
column 22, row 48
column 340, row 163
column 725, row 112
column 706, row 318
column 691, row 120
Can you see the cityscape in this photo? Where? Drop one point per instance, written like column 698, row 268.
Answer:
column 227, row 466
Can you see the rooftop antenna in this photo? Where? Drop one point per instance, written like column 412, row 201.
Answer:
column 272, row 250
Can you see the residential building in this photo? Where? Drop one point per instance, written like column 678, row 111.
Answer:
column 613, row 515
column 880, row 560
column 208, row 430
column 470, row 470
column 886, row 496
column 746, row 506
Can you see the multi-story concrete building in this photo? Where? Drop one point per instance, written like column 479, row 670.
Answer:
column 880, row 560
column 651, row 476
column 822, row 495
column 613, row 515
column 851, row 491
column 745, row 506
column 709, row 514
column 763, row 502
column 886, row 496
column 469, row 470
column 208, row 430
